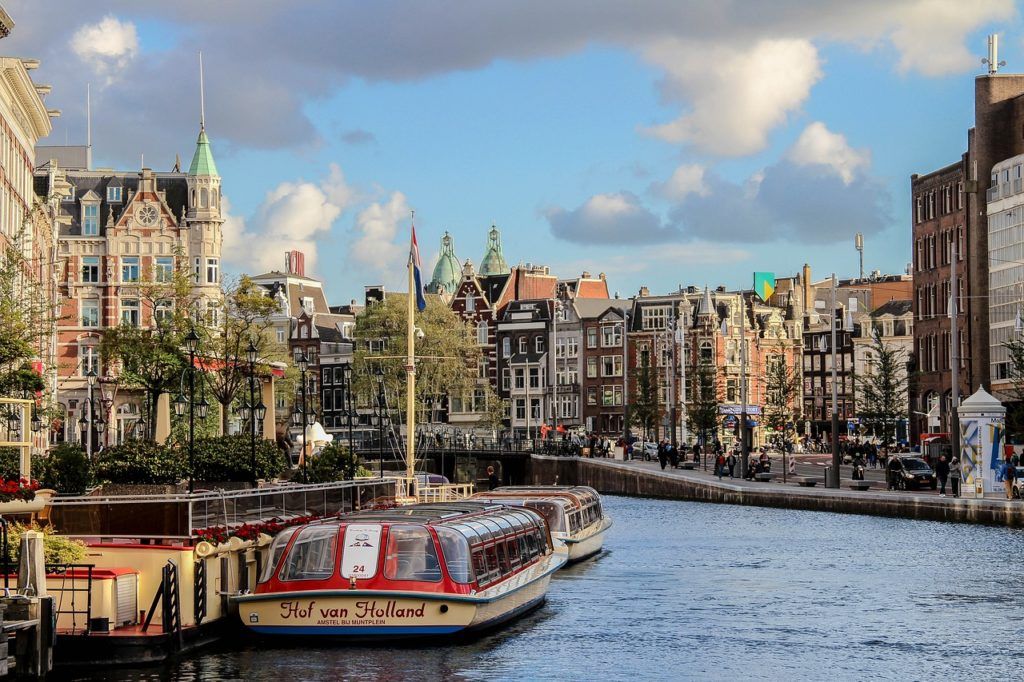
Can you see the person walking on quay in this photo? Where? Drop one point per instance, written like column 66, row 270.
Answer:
column 696, row 454
column 492, row 479
column 662, row 455
column 673, row 456
column 1009, row 476
column 719, row 465
column 942, row 473
column 954, row 476
column 730, row 462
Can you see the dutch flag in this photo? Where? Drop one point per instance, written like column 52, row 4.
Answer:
column 417, row 266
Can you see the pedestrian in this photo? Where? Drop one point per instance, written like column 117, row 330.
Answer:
column 942, row 473
column 719, row 465
column 955, row 473
column 492, row 479
column 673, row 456
column 696, row 454
column 1009, row 476
column 662, row 455
column 730, row 462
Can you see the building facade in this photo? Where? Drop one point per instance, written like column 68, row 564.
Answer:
column 1005, row 209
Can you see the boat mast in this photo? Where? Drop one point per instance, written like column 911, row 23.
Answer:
column 410, row 383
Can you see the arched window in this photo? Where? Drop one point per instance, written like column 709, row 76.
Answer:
column 193, row 197
column 204, row 198
column 706, row 352
column 215, row 198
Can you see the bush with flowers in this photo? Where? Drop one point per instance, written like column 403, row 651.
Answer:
column 18, row 489
column 216, row 535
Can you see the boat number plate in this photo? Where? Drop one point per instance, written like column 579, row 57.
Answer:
column 362, row 546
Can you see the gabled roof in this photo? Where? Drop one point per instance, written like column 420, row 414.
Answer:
column 896, row 308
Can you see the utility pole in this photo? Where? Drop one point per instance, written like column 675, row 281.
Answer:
column 954, row 354
column 744, row 449
column 834, row 483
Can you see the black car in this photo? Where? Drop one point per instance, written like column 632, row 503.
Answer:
column 911, row 473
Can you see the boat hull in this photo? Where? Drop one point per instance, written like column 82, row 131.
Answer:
column 365, row 614
column 583, row 548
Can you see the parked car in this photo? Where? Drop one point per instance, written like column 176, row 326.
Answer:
column 646, row 451
column 913, row 473
column 1018, row 484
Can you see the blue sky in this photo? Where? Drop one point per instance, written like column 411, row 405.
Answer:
column 794, row 130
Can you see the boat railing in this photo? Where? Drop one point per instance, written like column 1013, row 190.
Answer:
column 444, row 492
column 177, row 516
column 75, row 594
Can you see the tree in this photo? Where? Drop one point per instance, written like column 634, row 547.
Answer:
column 882, row 387
column 645, row 411
column 447, row 351
column 151, row 356
column 27, row 320
column 242, row 315
column 782, row 391
column 703, row 400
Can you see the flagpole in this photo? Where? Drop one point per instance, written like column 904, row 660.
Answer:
column 410, row 378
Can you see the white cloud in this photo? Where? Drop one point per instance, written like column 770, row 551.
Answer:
column 616, row 218
column 292, row 216
column 686, row 179
column 929, row 33
column 375, row 251
column 735, row 97
column 108, row 46
column 817, row 145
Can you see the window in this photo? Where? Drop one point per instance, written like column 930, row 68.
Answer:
column 520, row 378
column 592, row 395
column 196, row 262
column 90, row 269
column 572, row 347
column 706, row 351
column 162, row 311
column 481, row 333
column 164, row 268
column 538, row 343
column 280, row 336
column 90, row 313
column 91, row 220
column 113, row 194
column 534, row 377
column 592, row 337
column 654, row 318
column 535, row 408
column 611, row 366
column 506, row 347
column 129, row 268
column 591, row 368
column 455, row 549
column 470, row 303
column 130, row 312
column 312, row 555
column 520, row 409
column 524, row 344
column 89, row 359
column 611, row 335
column 213, row 276
column 506, row 379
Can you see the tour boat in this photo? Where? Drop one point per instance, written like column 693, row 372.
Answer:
column 573, row 513
column 413, row 571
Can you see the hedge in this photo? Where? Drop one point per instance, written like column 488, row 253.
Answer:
column 229, row 458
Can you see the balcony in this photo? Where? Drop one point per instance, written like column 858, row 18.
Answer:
column 992, row 194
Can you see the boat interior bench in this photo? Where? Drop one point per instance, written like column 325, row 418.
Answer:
column 806, row 481
column 860, row 485
column 766, row 477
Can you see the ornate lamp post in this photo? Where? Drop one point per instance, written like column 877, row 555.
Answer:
column 380, row 416
column 253, row 412
column 350, row 413
column 305, row 417
column 192, row 346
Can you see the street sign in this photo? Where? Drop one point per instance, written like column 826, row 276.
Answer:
column 738, row 409
column 730, row 422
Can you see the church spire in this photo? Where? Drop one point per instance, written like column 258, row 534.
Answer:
column 493, row 262
column 202, row 160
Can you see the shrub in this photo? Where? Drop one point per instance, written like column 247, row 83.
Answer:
column 335, row 462
column 141, row 462
column 229, row 458
column 67, row 470
column 57, row 549
column 10, row 465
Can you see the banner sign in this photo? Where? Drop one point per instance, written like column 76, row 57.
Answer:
column 764, row 285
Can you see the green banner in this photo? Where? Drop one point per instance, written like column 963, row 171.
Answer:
column 764, row 285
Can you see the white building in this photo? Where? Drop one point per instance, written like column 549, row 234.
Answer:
column 1006, row 263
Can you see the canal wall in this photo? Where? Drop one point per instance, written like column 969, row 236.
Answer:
column 618, row 478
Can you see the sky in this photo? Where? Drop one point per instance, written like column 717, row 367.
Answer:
column 662, row 142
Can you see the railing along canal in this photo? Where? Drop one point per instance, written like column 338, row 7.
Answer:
column 176, row 516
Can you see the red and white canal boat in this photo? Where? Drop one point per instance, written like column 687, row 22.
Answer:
column 415, row 571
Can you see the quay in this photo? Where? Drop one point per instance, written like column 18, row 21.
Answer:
column 646, row 479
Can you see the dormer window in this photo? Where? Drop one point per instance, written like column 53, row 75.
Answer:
column 114, row 194
column 70, row 196
column 90, row 219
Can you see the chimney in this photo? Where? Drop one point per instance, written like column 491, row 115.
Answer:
column 644, row 291
column 295, row 263
column 585, row 275
column 601, row 276
column 807, row 298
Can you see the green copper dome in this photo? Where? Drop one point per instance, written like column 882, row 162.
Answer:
column 202, row 160
column 448, row 270
column 493, row 262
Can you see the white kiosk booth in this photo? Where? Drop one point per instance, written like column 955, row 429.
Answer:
column 982, row 431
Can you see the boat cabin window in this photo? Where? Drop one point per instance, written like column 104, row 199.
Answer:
column 411, row 555
column 312, row 555
column 276, row 550
column 455, row 549
column 552, row 513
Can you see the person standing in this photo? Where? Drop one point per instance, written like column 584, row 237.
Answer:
column 492, row 479
column 954, row 474
column 942, row 473
column 696, row 454
column 730, row 462
column 719, row 465
column 1009, row 476
column 662, row 455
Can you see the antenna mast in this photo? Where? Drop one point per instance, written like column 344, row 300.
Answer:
column 993, row 55
column 858, row 242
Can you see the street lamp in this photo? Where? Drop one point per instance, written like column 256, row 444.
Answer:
column 91, row 407
column 192, row 346
column 250, row 409
column 303, row 418
column 350, row 413
column 381, row 414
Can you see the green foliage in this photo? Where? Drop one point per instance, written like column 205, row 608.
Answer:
column 882, row 388
column 335, row 462
column 229, row 458
column 141, row 462
column 645, row 411
column 448, row 348
column 10, row 465
column 67, row 470
column 703, row 401
column 57, row 549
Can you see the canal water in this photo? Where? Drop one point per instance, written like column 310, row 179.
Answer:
column 701, row 591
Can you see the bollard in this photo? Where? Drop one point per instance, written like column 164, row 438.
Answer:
column 828, row 475
column 31, row 565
